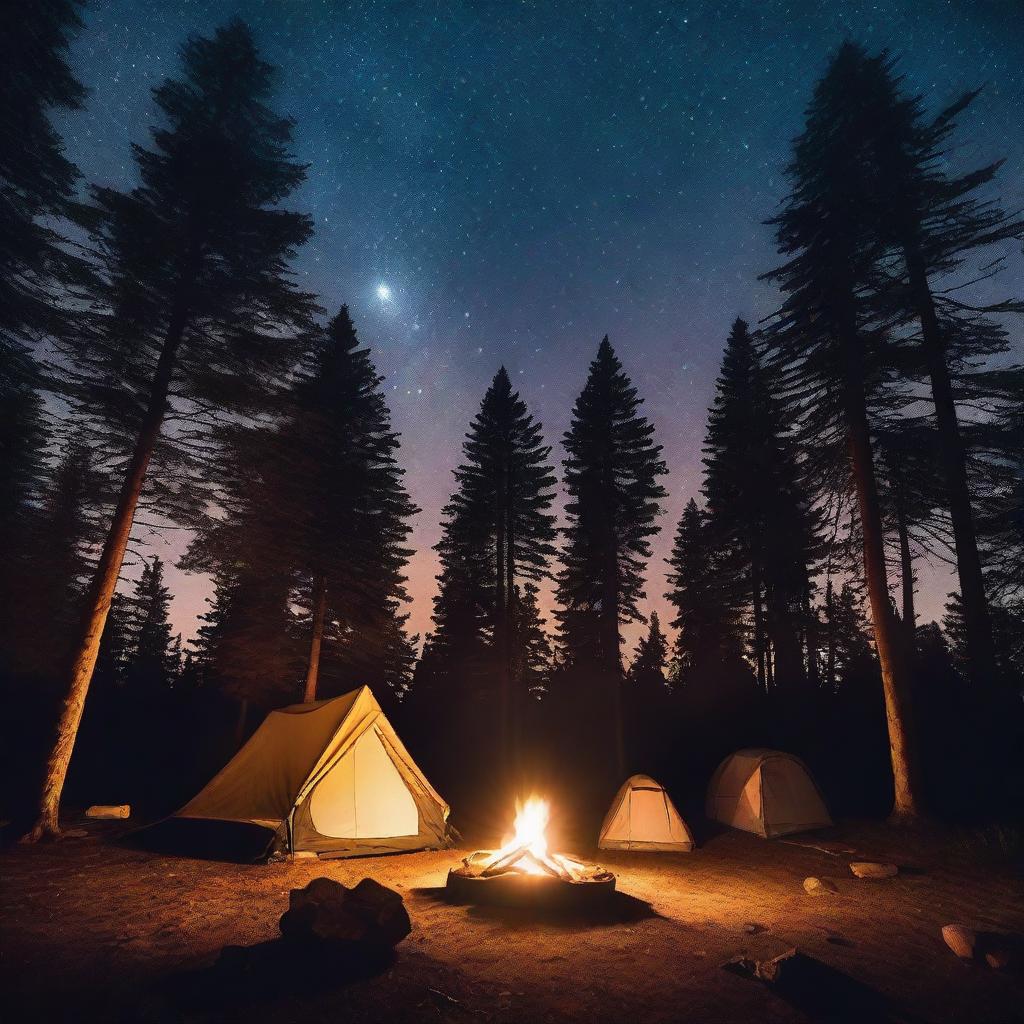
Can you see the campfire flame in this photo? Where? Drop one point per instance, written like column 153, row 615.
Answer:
column 531, row 822
column 527, row 850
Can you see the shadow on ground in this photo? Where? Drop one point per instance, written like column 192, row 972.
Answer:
column 826, row 994
column 267, row 971
column 617, row 908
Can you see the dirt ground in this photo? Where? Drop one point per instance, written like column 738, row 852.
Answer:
column 91, row 930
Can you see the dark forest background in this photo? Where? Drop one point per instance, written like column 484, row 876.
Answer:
column 159, row 364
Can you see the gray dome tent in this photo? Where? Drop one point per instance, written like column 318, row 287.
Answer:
column 767, row 792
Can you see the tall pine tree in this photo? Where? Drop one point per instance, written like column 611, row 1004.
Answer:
column 703, row 596
column 611, row 468
column 200, row 300
column 760, row 522
column 611, row 472
column 498, row 521
column 825, row 346
column 339, row 490
column 937, row 222
column 37, row 268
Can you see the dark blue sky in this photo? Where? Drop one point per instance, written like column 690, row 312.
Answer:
column 527, row 176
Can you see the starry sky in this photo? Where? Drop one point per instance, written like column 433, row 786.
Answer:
column 525, row 177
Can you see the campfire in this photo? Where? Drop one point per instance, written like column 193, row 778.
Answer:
column 524, row 871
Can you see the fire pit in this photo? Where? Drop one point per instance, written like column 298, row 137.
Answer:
column 523, row 873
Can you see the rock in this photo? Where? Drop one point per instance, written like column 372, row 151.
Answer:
column 370, row 913
column 960, row 939
column 998, row 959
column 319, row 890
column 872, row 869
column 115, row 811
column 305, row 855
column 819, row 886
column 997, row 949
column 382, row 909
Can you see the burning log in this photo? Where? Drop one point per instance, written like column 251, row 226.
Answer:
column 523, row 871
column 503, row 862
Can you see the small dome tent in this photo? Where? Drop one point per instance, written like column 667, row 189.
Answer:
column 767, row 792
column 330, row 776
column 642, row 817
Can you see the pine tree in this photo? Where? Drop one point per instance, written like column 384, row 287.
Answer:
column 937, row 222
column 758, row 517
column 498, row 521
column 59, row 538
column 651, row 656
column 200, row 300
column 612, row 467
column 149, row 658
column 825, row 346
column 847, row 641
column 36, row 186
column 1007, row 634
column 646, row 700
column 37, row 178
column 611, row 472
column 339, row 489
column 459, row 647
column 244, row 647
column 702, row 595
column 532, row 656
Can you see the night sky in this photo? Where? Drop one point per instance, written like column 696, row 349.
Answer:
column 520, row 178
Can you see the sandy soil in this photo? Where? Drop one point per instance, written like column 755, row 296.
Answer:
column 91, row 930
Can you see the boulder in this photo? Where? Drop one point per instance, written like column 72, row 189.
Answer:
column 369, row 914
column 872, row 869
column 961, row 940
column 819, row 886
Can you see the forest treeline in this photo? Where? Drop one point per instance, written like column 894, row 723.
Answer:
column 161, row 369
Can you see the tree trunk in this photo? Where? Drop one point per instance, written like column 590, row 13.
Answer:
column 243, row 717
column 895, row 677
column 755, row 587
column 830, row 655
column 104, row 583
column 906, row 576
column 977, row 624
column 501, row 625
column 811, row 640
column 316, row 640
column 515, row 696
column 611, row 661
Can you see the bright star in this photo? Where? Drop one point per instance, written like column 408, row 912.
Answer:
column 383, row 292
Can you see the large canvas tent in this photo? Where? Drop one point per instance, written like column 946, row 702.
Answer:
column 643, row 817
column 767, row 792
column 331, row 777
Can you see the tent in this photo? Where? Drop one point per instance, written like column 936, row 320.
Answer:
column 642, row 817
column 331, row 777
column 767, row 792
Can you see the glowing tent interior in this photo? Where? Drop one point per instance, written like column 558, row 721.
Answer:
column 643, row 817
column 331, row 777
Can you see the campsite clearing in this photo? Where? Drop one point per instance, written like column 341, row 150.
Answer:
column 136, row 934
